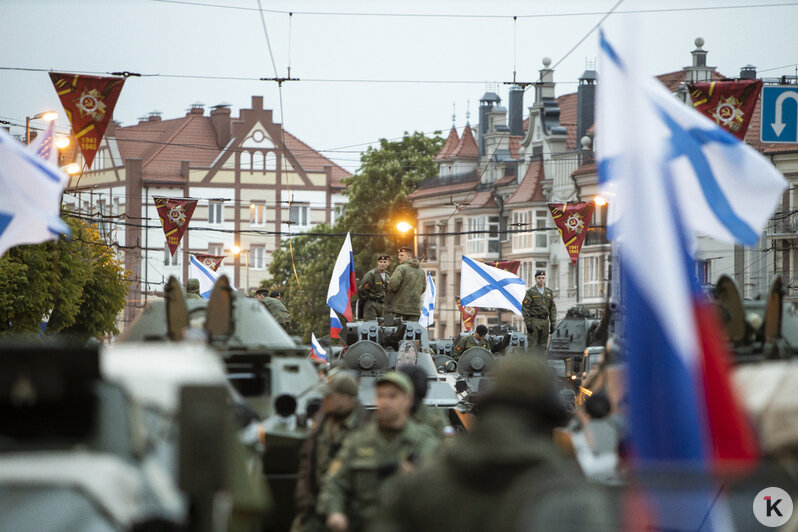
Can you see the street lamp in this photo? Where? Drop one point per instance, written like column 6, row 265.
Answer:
column 44, row 115
column 599, row 201
column 236, row 250
column 404, row 227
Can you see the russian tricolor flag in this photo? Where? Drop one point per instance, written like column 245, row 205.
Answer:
column 317, row 352
column 667, row 169
column 335, row 325
column 343, row 283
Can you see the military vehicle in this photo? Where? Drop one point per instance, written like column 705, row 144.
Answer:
column 95, row 439
column 373, row 348
column 274, row 376
column 578, row 330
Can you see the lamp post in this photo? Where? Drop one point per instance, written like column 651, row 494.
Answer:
column 236, row 250
column 404, row 227
column 44, row 115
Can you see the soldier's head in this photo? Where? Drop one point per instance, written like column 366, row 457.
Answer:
column 540, row 278
column 275, row 294
column 261, row 294
column 419, row 379
column 405, row 254
column 340, row 394
column 524, row 384
column 383, row 261
column 480, row 332
column 394, row 399
column 192, row 285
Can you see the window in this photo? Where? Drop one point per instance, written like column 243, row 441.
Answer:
column 257, row 213
column 458, row 228
column 246, row 161
column 505, row 222
column 338, row 212
column 102, row 216
column 256, row 259
column 258, row 161
column 216, row 249
column 593, row 276
column 493, row 235
column 522, row 223
column 299, row 215
column 475, row 240
column 702, row 272
column 430, row 242
column 554, row 278
column 541, row 238
column 168, row 258
column 215, row 212
column 116, row 210
column 271, row 161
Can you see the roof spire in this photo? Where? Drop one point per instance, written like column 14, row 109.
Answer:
column 454, row 115
column 468, row 112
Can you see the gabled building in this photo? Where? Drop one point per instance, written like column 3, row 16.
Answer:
column 255, row 182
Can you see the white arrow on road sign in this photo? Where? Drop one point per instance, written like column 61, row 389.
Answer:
column 778, row 125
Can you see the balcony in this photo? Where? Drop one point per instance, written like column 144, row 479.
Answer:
column 786, row 227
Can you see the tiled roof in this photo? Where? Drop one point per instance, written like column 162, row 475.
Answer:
column 752, row 136
column 162, row 145
column 530, row 189
column 467, row 146
column 482, row 200
column 451, row 143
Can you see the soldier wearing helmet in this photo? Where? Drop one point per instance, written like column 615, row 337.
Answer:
column 193, row 289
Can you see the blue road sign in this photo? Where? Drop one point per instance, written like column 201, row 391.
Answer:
column 779, row 114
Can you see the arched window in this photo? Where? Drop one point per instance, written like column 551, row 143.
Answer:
column 257, row 161
column 246, row 161
column 271, row 161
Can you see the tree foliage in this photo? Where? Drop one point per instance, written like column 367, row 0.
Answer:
column 76, row 284
column 378, row 198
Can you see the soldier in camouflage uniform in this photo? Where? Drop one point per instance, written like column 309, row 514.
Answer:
column 539, row 311
column 372, row 289
column 408, row 283
column 275, row 307
column 192, row 289
column 506, row 474
column 421, row 413
column 340, row 415
column 467, row 341
column 374, row 456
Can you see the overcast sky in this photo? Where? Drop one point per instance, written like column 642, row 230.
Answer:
column 333, row 44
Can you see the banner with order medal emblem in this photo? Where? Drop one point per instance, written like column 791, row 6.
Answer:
column 572, row 220
column 89, row 103
column 468, row 314
column 211, row 261
column 175, row 213
column 729, row 103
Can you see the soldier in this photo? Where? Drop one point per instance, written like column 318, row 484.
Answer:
column 192, row 289
column 539, row 311
column 421, row 413
column 383, row 449
column 408, row 283
column 372, row 289
column 467, row 341
column 340, row 415
column 509, row 448
column 275, row 307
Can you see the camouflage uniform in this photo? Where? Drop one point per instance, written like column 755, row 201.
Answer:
column 504, row 475
column 372, row 293
column 433, row 418
column 315, row 456
column 408, row 283
column 467, row 341
column 540, row 315
column 366, row 464
column 278, row 311
column 192, row 289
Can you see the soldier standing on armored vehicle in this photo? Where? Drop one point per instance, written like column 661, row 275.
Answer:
column 341, row 414
column 272, row 303
column 193, row 289
column 372, row 289
column 539, row 311
column 391, row 444
column 467, row 341
column 408, row 283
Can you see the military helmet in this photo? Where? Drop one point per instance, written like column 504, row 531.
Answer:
column 341, row 382
column 524, row 381
column 192, row 285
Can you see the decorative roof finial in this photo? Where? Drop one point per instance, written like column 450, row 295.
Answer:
column 454, row 115
column 468, row 112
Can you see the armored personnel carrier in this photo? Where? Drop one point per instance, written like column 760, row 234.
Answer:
column 273, row 375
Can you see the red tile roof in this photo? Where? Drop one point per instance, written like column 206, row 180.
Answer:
column 451, row 143
column 530, row 189
column 467, row 146
column 753, row 134
column 482, row 200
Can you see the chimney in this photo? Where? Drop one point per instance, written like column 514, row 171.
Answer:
column 585, row 102
column 486, row 104
column 748, row 72
column 154, row 116
column 220, row 120
column 516, row 105
column 197, row 108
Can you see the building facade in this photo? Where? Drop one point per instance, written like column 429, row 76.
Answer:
column 255, row 183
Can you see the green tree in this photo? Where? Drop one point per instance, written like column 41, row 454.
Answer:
column 378, row 197
column 77, row 283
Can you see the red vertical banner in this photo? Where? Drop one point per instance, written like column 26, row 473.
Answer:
column 175, row 213
column 211, row 261
column 468, row 314
column 729, row 103
column 572, row 220
column 89, row 103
